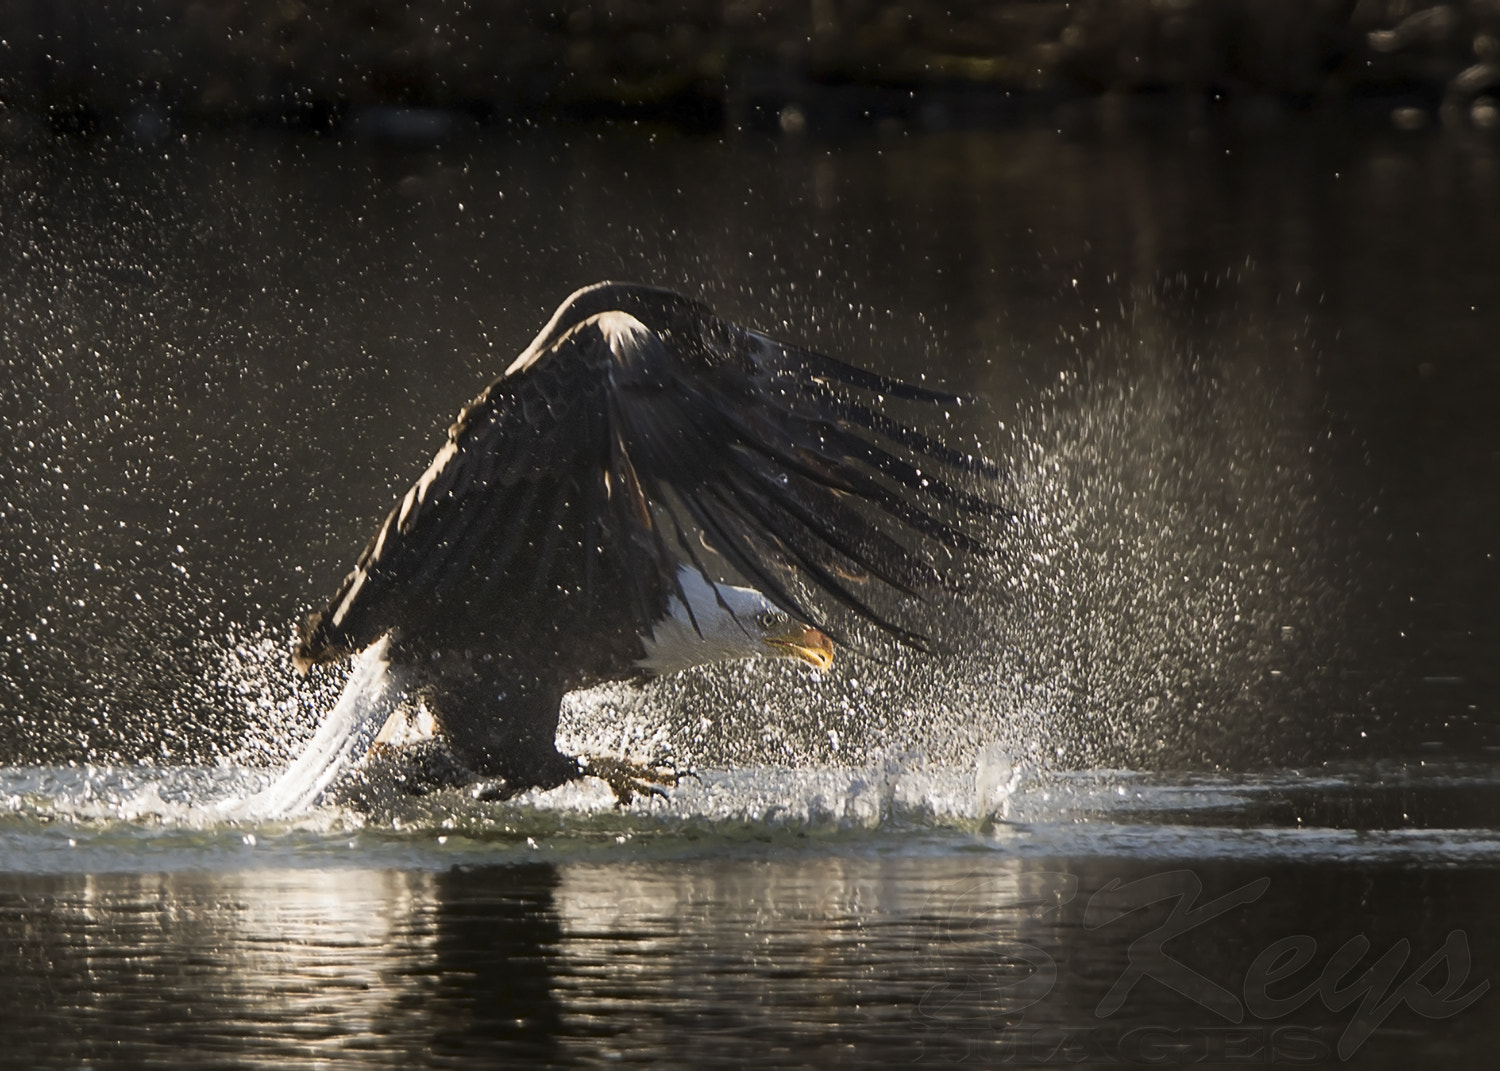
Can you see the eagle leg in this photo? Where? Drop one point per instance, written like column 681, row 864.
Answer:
column 418, row 768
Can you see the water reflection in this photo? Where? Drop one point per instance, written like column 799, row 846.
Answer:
column 759, row 960
column 290, row 965
column 277, row 967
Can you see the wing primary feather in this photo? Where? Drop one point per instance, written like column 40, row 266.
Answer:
column 804, row 431
column 852, row 536
column 853, row 481
column 749, row 565
column 826, row 580
column 708, row 516
column 921, row 520
column 874, row 456
column 844, row 409
column 911, row 477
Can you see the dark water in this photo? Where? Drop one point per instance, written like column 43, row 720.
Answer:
column 1240, row 659
column 1109, row 919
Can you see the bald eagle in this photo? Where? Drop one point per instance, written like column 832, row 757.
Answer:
column 582, row 521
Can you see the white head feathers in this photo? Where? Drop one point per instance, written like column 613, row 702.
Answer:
column 731, row 622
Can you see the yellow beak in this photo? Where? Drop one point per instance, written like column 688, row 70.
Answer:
column 806, row 643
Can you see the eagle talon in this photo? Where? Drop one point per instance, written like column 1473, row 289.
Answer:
column 629, row 779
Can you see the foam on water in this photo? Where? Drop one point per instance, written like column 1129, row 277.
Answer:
column 134, row 818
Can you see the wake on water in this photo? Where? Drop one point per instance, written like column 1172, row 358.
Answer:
column 917, row 786
column 83, row 819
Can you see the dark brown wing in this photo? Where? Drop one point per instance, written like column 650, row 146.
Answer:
column 530, row 510
column 576, row 482
column 767, row 450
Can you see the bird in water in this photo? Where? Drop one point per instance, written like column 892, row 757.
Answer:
column 582, row 521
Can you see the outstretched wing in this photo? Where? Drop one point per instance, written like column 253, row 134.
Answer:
column 529, row 497
column 637, row 429
column 769, row 452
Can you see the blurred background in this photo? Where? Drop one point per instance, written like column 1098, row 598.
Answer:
column 151, row 67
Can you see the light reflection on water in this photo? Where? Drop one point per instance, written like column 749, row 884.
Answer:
column 799, row 948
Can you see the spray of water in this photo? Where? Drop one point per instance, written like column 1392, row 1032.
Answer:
column 1167, row 597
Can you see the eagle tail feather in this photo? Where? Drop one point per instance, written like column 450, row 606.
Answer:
column 372, row 694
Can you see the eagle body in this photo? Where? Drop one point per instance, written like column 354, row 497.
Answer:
column 581, row 521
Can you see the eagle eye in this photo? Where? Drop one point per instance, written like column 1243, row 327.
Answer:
column 769, row 619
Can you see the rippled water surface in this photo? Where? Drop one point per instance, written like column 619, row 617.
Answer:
column 1204, row 772
column 766, row 917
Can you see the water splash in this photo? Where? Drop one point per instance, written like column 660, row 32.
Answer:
column 89, row 820
column 1168, row 596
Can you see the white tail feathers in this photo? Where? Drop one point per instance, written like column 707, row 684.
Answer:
column 371, row 696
